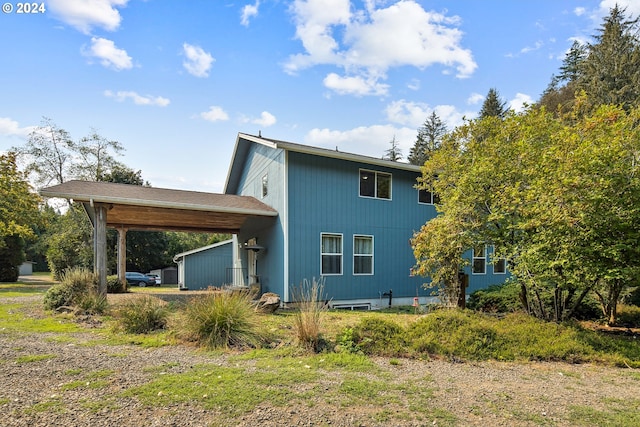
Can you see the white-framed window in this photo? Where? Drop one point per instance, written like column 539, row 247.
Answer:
column 265, row 185
column 499, row 264
column 375, row 184
column 426, row 197
column 362, row 255
column 479, row 260
column 330, row 254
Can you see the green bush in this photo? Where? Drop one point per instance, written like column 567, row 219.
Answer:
column 377, row 336
column 628, row 316
column 502, row 298
column 93, row 303
column 142, row 315
column 221, row 320
column 114, row 285
column 75, row 284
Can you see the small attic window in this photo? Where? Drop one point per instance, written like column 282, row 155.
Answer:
column 265, row 185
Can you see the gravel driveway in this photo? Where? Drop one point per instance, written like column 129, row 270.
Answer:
column 36, row 392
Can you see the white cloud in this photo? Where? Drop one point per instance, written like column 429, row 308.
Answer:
column 537, row 45
column 579, row 11
column 355, row 85
column 374, row 40
column 520, row 102
column 10, row 127
column 215, row 114
column 121, row 96
column 365, row 140
column 475, row 98
column 249, row 11
column 86, row 14
column 198, row 62
column 415, row 113
column 109, row 55
column 266, row 119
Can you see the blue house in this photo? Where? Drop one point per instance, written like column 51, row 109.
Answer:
column 343, row 217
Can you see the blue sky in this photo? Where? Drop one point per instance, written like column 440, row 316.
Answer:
column 175, row 81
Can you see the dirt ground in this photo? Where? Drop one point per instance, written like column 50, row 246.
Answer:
column 463, row 394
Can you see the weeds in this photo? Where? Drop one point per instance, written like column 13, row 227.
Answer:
column 75, row 285
column 308, row 318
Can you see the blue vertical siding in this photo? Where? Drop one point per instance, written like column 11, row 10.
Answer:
column 324, row 198
column 262, row 160
column 208, row 267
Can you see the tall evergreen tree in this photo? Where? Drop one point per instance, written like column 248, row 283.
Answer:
column 572, row 63
column 429, row 137
column 493, row 106
column 394, row 153
column 610, row 74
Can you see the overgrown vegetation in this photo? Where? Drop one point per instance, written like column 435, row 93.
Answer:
column 141, row 315
column 78, row 288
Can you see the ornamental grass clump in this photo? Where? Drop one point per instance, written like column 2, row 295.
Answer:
column 308, row 319
column 221, row 319
column 142, row 315
column 76, row 284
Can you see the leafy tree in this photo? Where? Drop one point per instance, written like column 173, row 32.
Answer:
column 557, row 197
column 428, row 140
column 610, row 74
column 18, row 215
column 95, row 158
column 394, row 153
column 493, row 106
column 69, row 242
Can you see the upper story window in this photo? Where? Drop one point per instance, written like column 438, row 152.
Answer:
column 499, row 264
column 428, row 197
column 479, row 262
column 375, row 184
column 330, row 254
column 265, row 185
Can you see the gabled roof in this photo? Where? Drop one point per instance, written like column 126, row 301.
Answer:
column 202, row 249
column 244, row 141
column 149, row 208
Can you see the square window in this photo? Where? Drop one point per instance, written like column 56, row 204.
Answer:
column 375, row 184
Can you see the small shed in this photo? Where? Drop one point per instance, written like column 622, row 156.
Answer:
column 207, row 266
column 168, row 275
column 26, row 268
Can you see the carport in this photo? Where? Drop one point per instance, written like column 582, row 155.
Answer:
column 133, row 207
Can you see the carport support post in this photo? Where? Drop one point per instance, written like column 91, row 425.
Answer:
column 122, row 256
column 100, row 247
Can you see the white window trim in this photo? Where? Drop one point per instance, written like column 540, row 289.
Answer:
column 423, row 203
column 495, row 259
column 484, row 258
column 329, row 253
column 373, row 251
column 375, row 172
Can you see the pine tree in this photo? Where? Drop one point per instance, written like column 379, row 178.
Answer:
column 493, row 106
column 394, row 153
column 428, row 140
column 610, row 74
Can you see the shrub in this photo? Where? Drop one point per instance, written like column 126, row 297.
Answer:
column 75, row 284
column 93, row 303
column 628, row 316
column 221, row 320
column 308, row 318
column 114, row 285
column 380, row 337
column 142, row 315
column 502, row 298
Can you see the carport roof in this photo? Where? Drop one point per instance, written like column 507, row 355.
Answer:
column 149, row 208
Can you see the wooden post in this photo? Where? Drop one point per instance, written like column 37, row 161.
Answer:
column 122, row 256
column 100, row 247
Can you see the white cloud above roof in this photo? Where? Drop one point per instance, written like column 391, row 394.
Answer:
column 367, row 43
column 84, row 15
column 197, row 62
column 137, row 99
column 266, row 119
column 109, row 55
column 215, row 114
